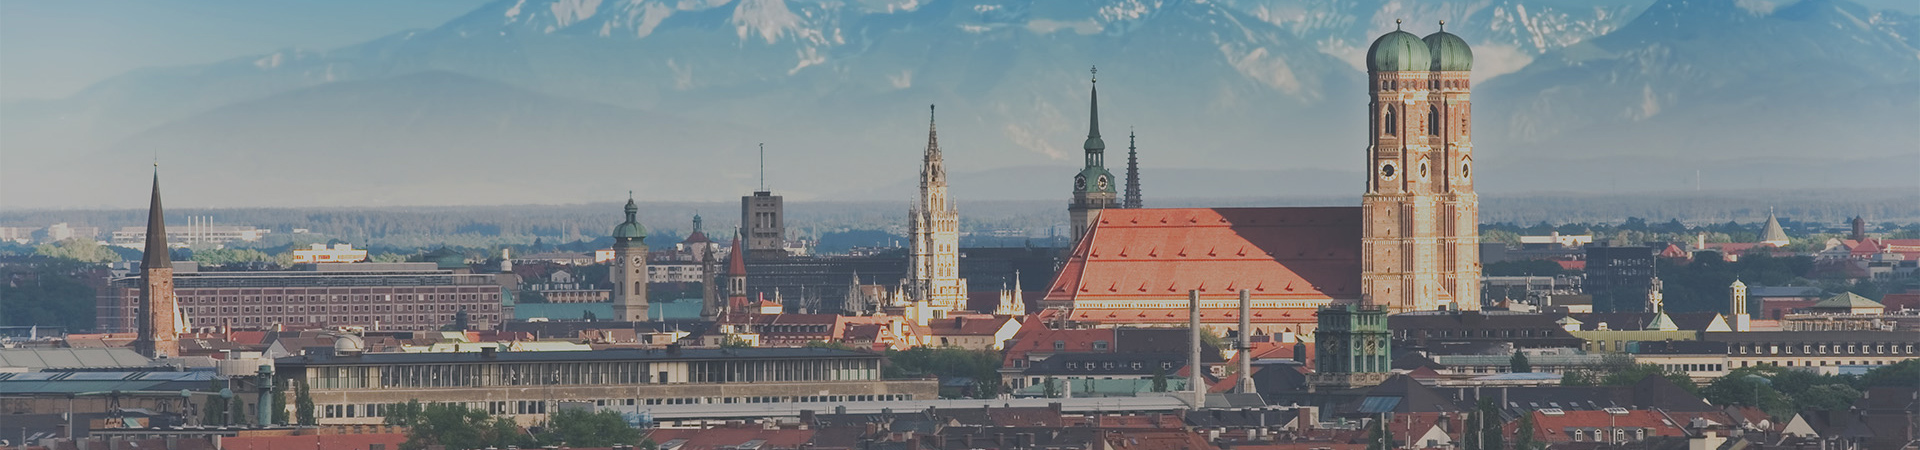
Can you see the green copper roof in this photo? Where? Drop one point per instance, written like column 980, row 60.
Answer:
column 1662, row 322
column 1093, row 124
column 1397, row 52
column 1450, row 53
column 630, row 229
column 1093, row 174
column 1848, row 300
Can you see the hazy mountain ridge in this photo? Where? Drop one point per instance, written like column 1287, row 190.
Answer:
column 836, row 89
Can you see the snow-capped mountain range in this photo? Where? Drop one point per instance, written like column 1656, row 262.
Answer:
column 552, row 100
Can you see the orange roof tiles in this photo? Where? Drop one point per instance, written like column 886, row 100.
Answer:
column 313, row 442
column 1277, row 253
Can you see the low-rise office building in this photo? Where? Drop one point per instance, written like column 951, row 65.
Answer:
column 374, row 296
column 1818, row 348
column 348, row 387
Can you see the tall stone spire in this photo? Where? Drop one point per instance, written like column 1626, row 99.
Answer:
column 159, row 314
column 1133, row 174
column 934, row 227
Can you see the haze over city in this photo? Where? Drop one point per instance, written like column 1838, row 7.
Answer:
column 960, row 224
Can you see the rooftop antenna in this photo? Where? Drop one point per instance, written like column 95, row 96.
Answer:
column 763, row 167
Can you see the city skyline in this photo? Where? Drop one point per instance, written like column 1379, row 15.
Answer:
column 1188, row 134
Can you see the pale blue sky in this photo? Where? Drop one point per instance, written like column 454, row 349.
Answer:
column 53, row 48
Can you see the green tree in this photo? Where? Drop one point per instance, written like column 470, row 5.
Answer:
column 836, row 345
column 1826, row 397
column 735, row 342
column 982, row 366
column 1519, row 363
column 1484, row 428
column 214, row 413
column 454, row 426
column 1377, row 438
column 1523, row 434
column 1895, row 375
column 1049, row 390
column 1159, row 379
column 52, row 294
column 279, row 404
column 581, row 428
column 1749, row 388
column 84, row 250
column 303, row 405
column 460, row 322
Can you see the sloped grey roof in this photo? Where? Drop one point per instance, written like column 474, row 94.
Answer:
column 37, row 359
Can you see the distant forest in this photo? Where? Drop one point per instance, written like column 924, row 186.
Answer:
column 838, row 226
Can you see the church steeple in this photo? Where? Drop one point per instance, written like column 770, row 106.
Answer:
column 1094, row 187
column 158, row 317
column 1133, row 174
column 156, row 249
column 934, row 227
column 1095, row 147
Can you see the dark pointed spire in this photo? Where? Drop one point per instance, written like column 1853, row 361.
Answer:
column 156, row 250
column 1133, row 174
column 1094, row 143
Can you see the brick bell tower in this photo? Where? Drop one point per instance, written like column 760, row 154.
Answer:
column 1421, row 232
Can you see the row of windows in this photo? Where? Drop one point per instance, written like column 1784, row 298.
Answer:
column 1694, row 367
column 1823, row 349
column 1791, row 363
column 1598, row 435
column 1392, row 84
column 1110, row 365
column 595, row 373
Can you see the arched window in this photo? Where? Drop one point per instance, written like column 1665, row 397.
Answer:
column 1433, row 121
column 637, row 286
column 1390, row 123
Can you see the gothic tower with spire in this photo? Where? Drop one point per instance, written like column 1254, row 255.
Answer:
column 629, row 272
column 159, row 314
column 1420, row 232
column 1093, row 188
column 933, row 225
column 1133, row 174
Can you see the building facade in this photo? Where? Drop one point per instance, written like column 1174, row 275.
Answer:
column 1421, row 237
column 355, row 388
column 1093, row 187
column 386, row 296
column 763, row 220
column 933, row 226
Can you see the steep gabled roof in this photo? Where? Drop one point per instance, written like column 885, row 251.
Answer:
column 1847, row 300
column 1306, row 255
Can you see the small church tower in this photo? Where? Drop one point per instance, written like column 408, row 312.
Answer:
column 1093, row 187
column 629, row 271
column 1737, row 306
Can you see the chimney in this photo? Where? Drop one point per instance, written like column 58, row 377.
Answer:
column 1246, row 342
column 1196, row 375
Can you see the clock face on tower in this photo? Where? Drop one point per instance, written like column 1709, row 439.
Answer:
column 1079, row 182
column 1387, row 171
column 1103, row 182
column 636, row 260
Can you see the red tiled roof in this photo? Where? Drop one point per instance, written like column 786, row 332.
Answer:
column 1223, row 315
column 972, row 325
column 731, row 437
column 313, row 442
column 1552, row 428
column 1573, row 265
column 1035, row 336
column 1278, row 253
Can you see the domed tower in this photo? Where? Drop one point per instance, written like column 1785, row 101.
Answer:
column 1093, row 187
column 1449, row 122
column 629, row 270
column 1421, row 225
